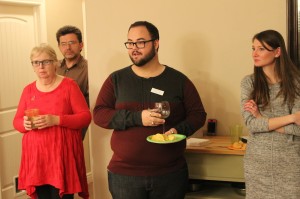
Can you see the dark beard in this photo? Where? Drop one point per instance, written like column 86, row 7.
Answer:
column 144, row 61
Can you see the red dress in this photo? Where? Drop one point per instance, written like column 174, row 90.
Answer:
column 54, row 155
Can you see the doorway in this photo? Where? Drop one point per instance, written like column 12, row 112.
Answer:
column 20, row 30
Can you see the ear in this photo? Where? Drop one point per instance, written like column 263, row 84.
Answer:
column 81, row 45
column 156, row 44
column 278, row 52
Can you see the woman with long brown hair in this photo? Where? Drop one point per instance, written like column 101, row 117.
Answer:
column 270, row 104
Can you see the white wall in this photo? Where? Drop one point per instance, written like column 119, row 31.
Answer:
column 210, row 41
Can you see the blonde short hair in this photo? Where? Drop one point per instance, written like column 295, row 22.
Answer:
column 43, row 48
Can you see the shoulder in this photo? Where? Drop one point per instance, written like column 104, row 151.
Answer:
column 61, row 63
column 30, row 86
column 66, row 81
column 177, row 79
column 123, row 71
column 61, row 67
column 175, row 73
column 83, row 62
column 247, row 81
column 69, row 85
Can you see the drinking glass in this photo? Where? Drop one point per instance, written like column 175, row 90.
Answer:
column 164, row 109
column 32, row 115
column 235, row 132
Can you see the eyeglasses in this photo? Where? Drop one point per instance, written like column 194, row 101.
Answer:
column 64, row 44
column 138, row 44
column 46, row 62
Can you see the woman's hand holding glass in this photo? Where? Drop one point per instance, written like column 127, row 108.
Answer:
column 41, row 121
column 27, row 123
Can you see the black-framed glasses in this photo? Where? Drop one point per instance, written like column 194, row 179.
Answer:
column 45, row 62
column 138, row 44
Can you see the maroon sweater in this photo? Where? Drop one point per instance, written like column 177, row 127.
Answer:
column 120, row 102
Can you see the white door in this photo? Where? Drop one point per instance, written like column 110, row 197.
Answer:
column 20, row 30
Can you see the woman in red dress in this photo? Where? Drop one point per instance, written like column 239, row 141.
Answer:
column 52, row 163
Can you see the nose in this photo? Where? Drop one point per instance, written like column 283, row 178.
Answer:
column 254, row 53
column 68, row 46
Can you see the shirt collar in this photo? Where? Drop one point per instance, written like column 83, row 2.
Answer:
column 63, row 62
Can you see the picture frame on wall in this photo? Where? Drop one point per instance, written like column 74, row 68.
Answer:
column 293, row 44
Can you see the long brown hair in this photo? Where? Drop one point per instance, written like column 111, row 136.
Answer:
column 285, row 69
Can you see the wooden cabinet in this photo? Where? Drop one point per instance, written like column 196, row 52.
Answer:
column 215, row 161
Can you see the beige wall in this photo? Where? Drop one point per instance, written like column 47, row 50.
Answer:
column 60, row 13
column 210, row 41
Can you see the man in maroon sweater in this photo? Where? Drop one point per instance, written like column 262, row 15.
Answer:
column 140, row 169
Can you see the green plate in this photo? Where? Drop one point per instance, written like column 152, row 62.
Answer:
column 178, row 138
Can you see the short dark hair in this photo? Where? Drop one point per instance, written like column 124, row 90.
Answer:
column 150, row 27
column 68, row 30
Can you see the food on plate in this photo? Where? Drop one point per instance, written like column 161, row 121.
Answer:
column 239, row 145
column 171, row 137
column 162, row 137
column 158, row 137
